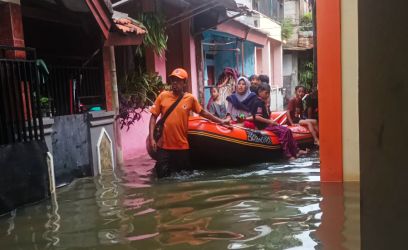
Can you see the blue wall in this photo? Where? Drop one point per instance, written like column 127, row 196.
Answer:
column 224, row 59
column 249, row 58
column 229, row 58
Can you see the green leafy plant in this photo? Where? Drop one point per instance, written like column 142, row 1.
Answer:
column 45, row 105
column 306, row 22
column 44, row 101
column 287, row 29
column 156, row 37
column 137, row 92
column 138, row 89
column 306, row 74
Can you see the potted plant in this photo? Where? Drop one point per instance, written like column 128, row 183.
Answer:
column 45, row 106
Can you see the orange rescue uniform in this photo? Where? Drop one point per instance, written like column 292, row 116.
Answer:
column 176, row 125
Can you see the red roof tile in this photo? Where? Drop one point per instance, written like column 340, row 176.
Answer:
column 126, row 25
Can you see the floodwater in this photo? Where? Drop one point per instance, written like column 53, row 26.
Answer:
column 265, row 206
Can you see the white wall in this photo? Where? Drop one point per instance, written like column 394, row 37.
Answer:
column 266, row 60
column 277, row 70
column 349, row 30
column 264, row 24
column 270, row 27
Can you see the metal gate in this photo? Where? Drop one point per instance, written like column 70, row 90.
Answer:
column 20, row 107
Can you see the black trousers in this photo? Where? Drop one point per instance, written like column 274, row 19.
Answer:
column 170, row 161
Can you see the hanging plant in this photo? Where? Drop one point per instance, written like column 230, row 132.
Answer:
column 138, row 89
column 287, row 29
column 306, row 22
column 156, row 37
column 138, row 92
column 306, row 74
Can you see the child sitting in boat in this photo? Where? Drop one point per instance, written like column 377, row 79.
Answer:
column 254, row 79
column 262, row 121
column 217, row 106
column 238, row 106
column 296, row 114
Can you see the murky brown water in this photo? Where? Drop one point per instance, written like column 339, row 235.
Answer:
column 264, row 206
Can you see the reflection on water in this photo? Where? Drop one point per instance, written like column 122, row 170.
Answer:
column 264, row 206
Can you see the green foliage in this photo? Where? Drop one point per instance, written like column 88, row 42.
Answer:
column 306, row 22
column 44, row 100
column 156, row 37
column 137, row 92
column 143, row 88
column 287, row 29
column 306, row 74
column 45, row 106
column 138, row 89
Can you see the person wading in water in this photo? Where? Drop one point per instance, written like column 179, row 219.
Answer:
column 172, row 148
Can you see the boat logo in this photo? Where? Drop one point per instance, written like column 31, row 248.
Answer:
column 258, row 138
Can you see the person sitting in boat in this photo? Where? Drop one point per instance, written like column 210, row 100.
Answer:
column 311, row 105
column 254, row 79
column 226, row 83
column 264, row 79
column 262, row 121
column 238, row 106
column 295, row 114
column 217, row 107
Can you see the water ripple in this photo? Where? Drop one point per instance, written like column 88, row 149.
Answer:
column 261, row 206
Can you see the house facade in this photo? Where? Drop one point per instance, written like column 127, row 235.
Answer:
column 204, row 38
column 58, row 91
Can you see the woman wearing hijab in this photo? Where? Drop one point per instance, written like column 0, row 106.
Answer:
column 238, row 107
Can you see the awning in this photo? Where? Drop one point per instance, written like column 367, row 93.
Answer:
column 244, row 32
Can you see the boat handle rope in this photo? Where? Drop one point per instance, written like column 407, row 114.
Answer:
column 244, row 128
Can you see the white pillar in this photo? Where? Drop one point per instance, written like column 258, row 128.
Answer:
column 266, row 60
column 351, row 142
column 277, row 65
column 115, row 96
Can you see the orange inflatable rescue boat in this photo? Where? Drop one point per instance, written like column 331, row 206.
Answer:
column 213, row 144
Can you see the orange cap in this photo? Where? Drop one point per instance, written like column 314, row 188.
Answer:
column 180, row 73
